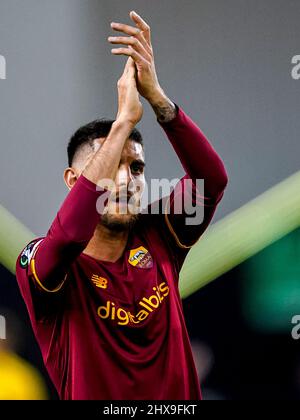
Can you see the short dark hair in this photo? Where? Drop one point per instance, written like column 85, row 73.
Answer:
column 99, row 128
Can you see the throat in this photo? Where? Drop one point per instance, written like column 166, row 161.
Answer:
column 107, row 246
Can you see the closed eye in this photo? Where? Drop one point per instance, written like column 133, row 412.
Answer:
column 137, row 167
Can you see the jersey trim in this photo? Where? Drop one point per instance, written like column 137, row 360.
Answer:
column 179, row 243
column 39, row 283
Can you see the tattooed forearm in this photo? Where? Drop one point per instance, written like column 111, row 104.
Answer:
column 164, row 109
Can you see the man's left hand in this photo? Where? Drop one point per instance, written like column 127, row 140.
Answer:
column 138, row 46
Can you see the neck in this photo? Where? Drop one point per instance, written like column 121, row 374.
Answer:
column 107, row 245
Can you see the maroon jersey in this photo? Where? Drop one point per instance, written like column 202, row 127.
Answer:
column 117, row 330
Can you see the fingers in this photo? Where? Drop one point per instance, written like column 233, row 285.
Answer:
column 129, row 67
column 133, row 42
column 141, row 24
column 126, row 68
column 129, row 64
column 133, row 32
column 138, row 59
column 138, row 44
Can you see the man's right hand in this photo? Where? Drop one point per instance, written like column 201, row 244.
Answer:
column 130, row 107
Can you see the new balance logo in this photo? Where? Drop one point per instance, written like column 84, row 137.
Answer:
column 100, row 282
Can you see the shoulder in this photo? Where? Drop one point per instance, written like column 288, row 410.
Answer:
column 26, row 254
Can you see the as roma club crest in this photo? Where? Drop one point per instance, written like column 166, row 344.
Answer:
column 140, row 257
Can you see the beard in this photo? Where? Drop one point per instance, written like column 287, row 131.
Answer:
column 121, row 219
column 119, row 223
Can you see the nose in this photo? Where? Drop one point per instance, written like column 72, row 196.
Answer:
column 124, row 177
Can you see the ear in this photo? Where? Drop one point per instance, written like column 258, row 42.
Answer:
column 70, row 177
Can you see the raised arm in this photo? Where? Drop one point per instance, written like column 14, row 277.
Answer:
column 197, row 155
column 200, row 162
column 195, row 152
column 47, row 262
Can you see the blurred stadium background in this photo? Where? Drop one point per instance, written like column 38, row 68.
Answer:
column 228, row 64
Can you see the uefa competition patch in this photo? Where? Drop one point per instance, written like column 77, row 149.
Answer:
column 140, row 257
column 28, row 253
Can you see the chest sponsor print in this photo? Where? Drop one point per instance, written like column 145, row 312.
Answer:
column 146, row 306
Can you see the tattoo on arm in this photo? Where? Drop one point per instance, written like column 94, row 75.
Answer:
column 165, row 110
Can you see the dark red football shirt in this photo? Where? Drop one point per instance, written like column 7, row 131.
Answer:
column 117, row 330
